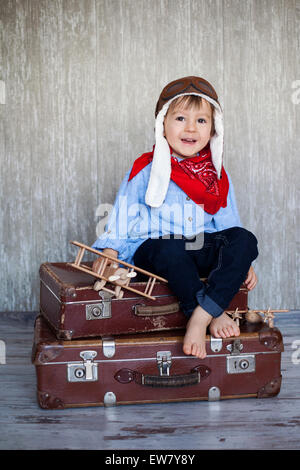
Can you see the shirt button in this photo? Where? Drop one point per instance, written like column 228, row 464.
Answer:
column 190, row 219
column 188, row 198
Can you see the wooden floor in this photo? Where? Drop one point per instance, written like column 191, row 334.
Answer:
column 251, row 423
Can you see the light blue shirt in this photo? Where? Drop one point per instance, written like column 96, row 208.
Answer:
column 132, row 221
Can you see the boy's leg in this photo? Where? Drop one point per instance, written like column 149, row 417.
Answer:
column 170, row 259
column 226, row 256
column 195, row 335
column 236, row 248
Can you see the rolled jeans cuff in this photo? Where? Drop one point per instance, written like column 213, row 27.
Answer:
column 208, row 304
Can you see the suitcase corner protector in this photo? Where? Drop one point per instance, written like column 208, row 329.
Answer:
column 64, row 334
column 271, row 389
column 47, row 401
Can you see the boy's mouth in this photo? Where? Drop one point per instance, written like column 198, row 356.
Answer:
column 189, row 141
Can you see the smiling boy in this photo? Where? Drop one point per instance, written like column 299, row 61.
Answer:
column 186, row 167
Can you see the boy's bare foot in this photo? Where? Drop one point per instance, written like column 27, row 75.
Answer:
column 194, row 340
column 223, row 327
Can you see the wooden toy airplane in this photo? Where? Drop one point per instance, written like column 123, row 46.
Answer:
column 106, row 268
column 253, row 316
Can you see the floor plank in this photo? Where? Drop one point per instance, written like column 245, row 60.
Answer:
column 272, row 423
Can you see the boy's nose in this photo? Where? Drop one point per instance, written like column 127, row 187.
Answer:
column 190, row 125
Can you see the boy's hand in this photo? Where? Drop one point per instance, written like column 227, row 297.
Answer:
column 111, row 252
column 251, row 279
column 110, row 265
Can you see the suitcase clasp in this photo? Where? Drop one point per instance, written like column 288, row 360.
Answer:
column 86, row 371
column 99, row 311
column 238, row 363
column 164, row 362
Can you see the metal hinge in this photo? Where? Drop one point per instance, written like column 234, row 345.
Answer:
column 215, row 344
column 109, row 399
column 238, row 363
column 164, row 362
column 100, row 310
column 108, row 347
column 214, row 394
column 87, row 371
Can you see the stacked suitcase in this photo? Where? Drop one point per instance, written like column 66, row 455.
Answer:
column 92, row 349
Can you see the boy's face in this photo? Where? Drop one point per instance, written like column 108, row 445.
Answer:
column 188, row 130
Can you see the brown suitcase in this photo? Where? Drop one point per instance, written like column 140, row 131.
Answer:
column 75, row 310
column 151, row 368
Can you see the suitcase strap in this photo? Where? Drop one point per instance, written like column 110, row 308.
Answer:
column 150, row 310
column 125, row 376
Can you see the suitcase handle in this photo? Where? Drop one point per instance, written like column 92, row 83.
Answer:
column 149, row 310
column 198, row 373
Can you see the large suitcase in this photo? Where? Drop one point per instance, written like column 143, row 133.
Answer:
column 152, row 367
column 75, row 310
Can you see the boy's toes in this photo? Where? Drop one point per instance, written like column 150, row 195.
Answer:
column 230, row 331
column 226, row 332
column 202, row 354
column 222, row 333
column 236, row 330
column 214, row 332
column 194, row 349
column 187, row 349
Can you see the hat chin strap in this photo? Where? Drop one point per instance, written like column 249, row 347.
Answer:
column 161, row 164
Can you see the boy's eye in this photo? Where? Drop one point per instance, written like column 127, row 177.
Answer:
column 181, row 118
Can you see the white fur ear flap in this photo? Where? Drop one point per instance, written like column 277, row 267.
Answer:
column 216, row 142
column 161, row 164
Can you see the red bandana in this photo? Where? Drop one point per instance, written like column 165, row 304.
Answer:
column 196, row 176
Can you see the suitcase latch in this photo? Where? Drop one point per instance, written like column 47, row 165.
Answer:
column 238, row 363
column 99, row 311
column 164, row 362
column 87, row 371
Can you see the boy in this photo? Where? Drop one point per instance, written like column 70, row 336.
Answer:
column 178, row 191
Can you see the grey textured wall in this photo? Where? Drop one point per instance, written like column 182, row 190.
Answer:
column 82, row 78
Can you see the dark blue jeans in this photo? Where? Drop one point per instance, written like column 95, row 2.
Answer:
column 224, row 259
